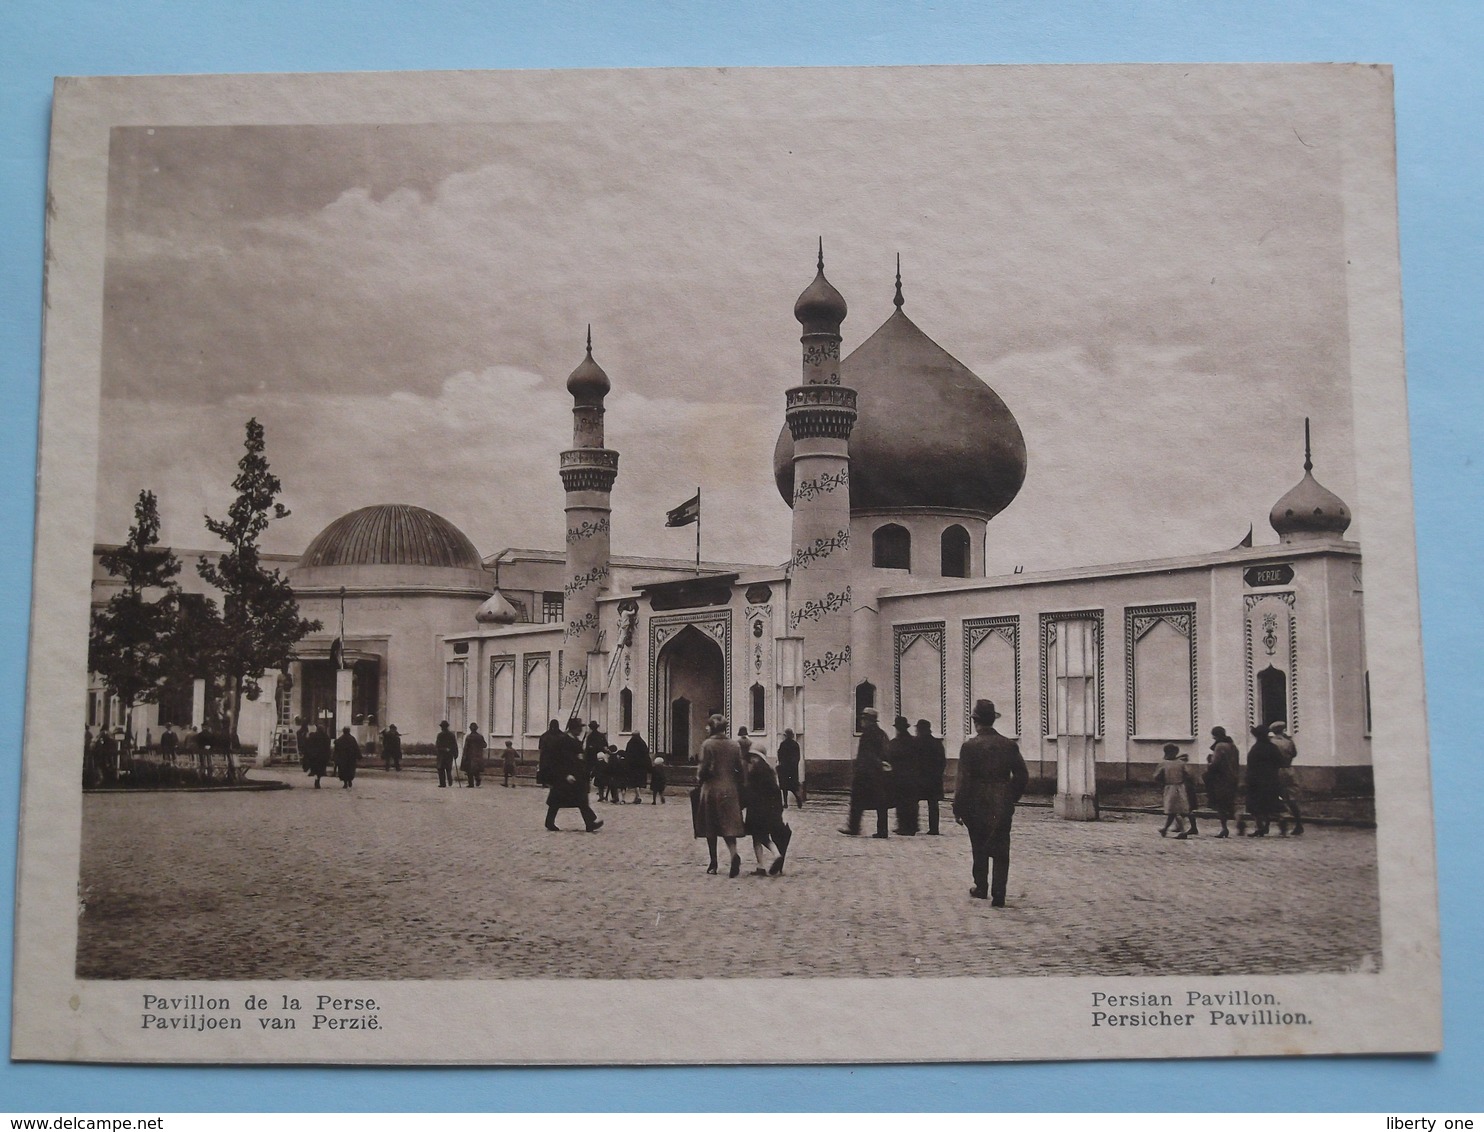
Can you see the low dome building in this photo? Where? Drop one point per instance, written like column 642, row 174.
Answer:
column 387, row 583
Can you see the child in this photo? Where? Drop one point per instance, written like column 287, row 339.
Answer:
column 657, row 781
column 1174, row 774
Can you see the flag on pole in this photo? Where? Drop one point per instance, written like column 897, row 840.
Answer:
column 687, row 513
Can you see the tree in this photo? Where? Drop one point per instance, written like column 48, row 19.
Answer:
column 129, row 639
column 260, row 622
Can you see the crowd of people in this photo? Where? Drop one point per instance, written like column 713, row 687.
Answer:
column 1272, row 792
column 109, row 754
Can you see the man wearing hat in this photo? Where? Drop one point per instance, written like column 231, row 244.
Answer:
column 1287, row 778
column 446, row 746
column 868, row 783
column 991, row 778
column 901, row 753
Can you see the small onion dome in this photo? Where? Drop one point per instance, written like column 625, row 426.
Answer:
column 1309, row 510
column 929, row 434
column 496, row 611
column 588, row 383
column 391, row 534
column 821, row 308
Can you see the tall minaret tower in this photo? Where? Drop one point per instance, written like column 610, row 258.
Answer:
column 821, row 415
column 588, row 471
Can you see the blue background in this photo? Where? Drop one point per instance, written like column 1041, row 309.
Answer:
column 1437, row 50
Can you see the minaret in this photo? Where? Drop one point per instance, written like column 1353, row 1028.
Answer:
column 588, row 471
column 821, row 415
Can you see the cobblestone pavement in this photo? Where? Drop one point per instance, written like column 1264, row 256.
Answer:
column 396, row 878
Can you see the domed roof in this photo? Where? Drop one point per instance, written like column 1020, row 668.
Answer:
column 820, row 308
column 929, row 434
column 588, row 381
column 497, row 610
column 1309, row 509
column 391, row 534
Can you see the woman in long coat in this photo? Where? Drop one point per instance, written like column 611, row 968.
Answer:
column 719, row 803
column 762, row 816
column 636, row 765
column 1175, row 775
column 317, row 754
column 347, row 755
column 1223, row 775
column 1264, row 790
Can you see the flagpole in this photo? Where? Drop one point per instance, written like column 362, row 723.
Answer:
column 698, row 530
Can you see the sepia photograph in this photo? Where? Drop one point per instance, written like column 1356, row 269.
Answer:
column 705, row 537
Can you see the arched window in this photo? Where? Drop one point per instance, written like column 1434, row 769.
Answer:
column 626, row 710
column 955, row 546
column 891, row 547
column 865, row 696
column 759, row 716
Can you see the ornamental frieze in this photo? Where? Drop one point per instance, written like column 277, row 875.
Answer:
column 822, row 548
column 822, row 485
column 814, row 609
column 587, row 529
column 582, row 624
column 830, row 662
column 580, row 582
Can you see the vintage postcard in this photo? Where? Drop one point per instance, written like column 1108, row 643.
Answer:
column 814, row 565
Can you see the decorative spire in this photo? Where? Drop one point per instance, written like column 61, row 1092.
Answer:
column 588, row 383
column 898, row 301
column 820, row 308
column 1309, row 510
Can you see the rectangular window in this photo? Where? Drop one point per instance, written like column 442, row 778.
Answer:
column 502, row 695
column 536, row 692
column 455, row 685
column 992, row 670
column 1161, row 670
column 919, row 672
column 552, row 607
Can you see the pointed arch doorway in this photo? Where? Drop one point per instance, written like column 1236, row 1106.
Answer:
column 690, row 673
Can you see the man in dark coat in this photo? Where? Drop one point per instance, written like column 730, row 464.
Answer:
column 347, row 755
column 1288, row 791
column 317, row 754
column 473, row 762
column 391, row 747
column 568, row 779
column 595, row 743
column 902, row 754
column 548, row 747
column 933, row 761
column 1264, row 791
column 169, row 744
column 868, row 783
column 447, row 748
column 991, row 778
column 789, row 757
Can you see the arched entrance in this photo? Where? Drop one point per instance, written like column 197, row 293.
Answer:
column 691, row 676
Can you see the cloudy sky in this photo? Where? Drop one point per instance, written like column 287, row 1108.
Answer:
column 1158, row 297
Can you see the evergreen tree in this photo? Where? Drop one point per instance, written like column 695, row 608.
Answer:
column 129, row 639
column 260, row 622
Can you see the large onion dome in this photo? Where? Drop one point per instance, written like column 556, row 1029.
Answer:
column 820, row 308
column 391, row 534
column 930, row 434
column 1309, row 509
column 588, row 383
